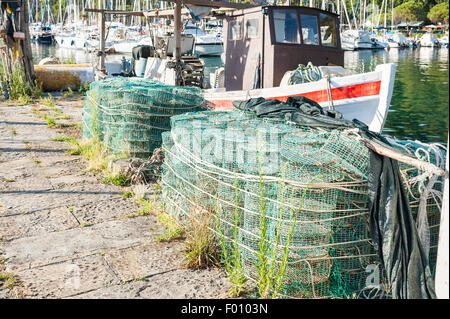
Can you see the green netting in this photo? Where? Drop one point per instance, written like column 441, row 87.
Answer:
column 129, row 114
column 283, row 186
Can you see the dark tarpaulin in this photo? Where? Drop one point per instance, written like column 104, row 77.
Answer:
column 141, row 51
column 393, row 231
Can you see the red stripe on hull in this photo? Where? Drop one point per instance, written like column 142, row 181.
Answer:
column 341, row 93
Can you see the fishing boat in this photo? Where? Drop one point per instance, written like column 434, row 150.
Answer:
column 265, row 44
column 44, row 35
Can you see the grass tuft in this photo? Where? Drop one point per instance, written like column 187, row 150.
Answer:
column 118, row 180
column 128, row 194
column 200, row 246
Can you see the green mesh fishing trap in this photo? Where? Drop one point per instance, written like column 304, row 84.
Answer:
column 129, row 114
column 297, row 195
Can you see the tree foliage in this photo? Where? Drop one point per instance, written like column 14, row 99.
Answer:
column 410, row 11
column 439, row 13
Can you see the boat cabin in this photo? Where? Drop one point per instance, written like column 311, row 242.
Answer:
column 263, row 43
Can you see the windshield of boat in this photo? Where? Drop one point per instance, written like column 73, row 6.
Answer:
column 286, row 26
column 328, row 30
column 310, row 30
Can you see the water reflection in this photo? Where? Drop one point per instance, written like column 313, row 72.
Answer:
column 419, row 105
column 41, row 51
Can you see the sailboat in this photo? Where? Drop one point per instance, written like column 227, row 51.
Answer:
column 44, row 34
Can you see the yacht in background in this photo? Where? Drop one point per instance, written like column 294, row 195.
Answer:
column 429, row 39
column 205, row 44
column 444, row 41
column 356, row 40
column 397, row 40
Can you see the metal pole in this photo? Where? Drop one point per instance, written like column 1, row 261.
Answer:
column 442, row 269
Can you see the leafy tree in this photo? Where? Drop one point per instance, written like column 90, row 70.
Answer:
column 410, row 11
column 439, row 13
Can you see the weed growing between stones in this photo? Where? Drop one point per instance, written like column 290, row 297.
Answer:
column 7, row 280
column 200, row 246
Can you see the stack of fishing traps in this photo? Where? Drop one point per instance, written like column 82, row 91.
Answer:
column 296, row 195
column 129, row 114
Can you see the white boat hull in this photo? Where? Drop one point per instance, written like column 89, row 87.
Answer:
column 208, row 49
column 365, row 96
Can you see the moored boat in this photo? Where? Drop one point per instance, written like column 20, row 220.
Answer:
column 429, row 39
column 264, row 44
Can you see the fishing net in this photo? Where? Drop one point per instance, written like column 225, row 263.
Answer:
column 128, row 114
column 294, row 199
column 425, row 192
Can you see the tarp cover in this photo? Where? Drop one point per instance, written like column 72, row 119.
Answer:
column 393, row 231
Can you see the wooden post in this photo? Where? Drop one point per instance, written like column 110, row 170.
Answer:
column 177, row 31
column 102, row 42
column 177, row 49
column 27, row 59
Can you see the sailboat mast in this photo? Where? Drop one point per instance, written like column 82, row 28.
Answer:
column 373, row 13
column 346, row 14
column 364, row 12
column 392, row 16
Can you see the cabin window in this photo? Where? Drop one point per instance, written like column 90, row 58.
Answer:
column 252, row 28
column 310, row 30
column 235, row 30
column 328, row 30
column 286, row 26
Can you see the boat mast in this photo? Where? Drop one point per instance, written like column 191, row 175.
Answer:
column 60, row 13
column 373, row 12
column 392, row 16
column 346, row 14
column 379, row 16
column 364, row 14
column 354, row 15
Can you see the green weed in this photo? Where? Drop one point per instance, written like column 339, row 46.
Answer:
column 119, row 180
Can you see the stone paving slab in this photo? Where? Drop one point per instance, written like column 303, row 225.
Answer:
column 129, row 290
column 25, row 201
column 104, row 210
column 145, row 260
column 67, row 278
column 29, row 225
column 187, row 284
column 177, row 284
column 37, row 249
